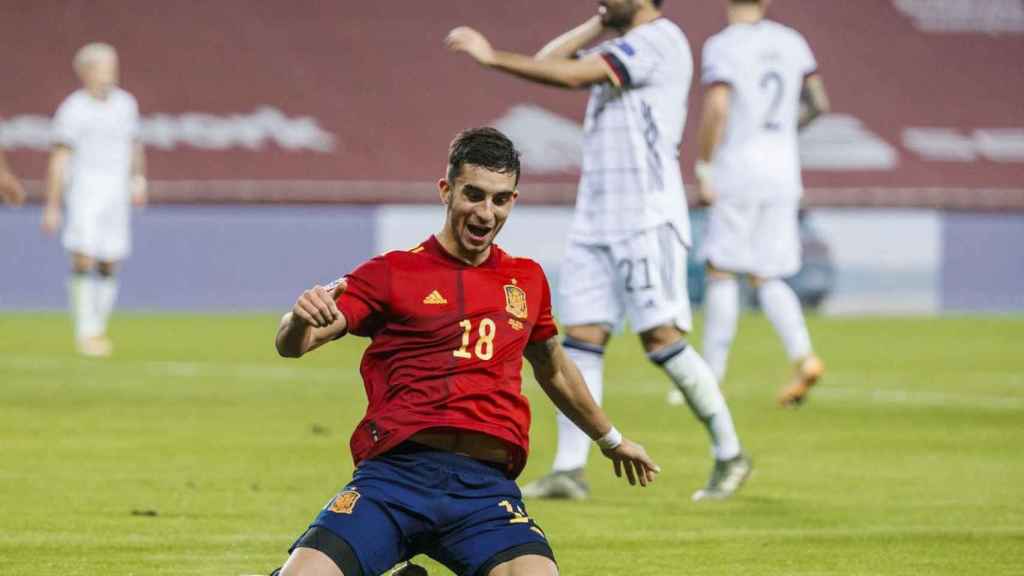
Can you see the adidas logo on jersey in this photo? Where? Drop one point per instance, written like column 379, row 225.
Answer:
column 434, row 298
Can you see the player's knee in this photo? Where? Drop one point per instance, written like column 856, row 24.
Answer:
column 81, row 264
column 662, row 337
column 106, row 269
column 591, row 334
column 320, row 552
column 712, row 274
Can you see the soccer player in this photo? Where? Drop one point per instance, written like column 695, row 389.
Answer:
column 98, row 154
column 628, row 242
column 446, row 430
column 10, row 188
column 761, row 86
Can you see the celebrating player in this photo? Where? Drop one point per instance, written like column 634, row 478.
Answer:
column 10, row 189
column 761, row 86
column 446, row 429
column 97, row 151
column 628, row 242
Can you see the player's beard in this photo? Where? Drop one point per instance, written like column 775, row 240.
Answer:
column 458, row 228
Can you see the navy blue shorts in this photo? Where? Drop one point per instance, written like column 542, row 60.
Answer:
column 415, row 500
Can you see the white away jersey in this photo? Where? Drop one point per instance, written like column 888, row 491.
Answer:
column 101, row 135
column 633, row 129
column 765, row 64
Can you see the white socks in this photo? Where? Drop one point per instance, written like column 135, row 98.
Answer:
column 106, row 294
column 92, row 301
column 694, row 378
column 573, row 443
column 721, row 313
column 782, row 307
column 81, row 292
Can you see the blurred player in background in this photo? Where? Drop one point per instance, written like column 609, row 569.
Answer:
column 11, row 190
column 627, row 247
column 761, row 86
column 446, row 430
column 98, row 156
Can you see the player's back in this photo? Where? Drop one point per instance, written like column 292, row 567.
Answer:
column 632, row 133
column 765, row 65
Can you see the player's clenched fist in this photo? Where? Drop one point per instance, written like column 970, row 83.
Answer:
column 316, row 306
column 468, row 40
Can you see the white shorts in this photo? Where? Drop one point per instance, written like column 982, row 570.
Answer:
column 757, row 237
column 99, row 229
column 642, row 277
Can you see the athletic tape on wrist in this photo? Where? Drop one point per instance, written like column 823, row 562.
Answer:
column 611, row 440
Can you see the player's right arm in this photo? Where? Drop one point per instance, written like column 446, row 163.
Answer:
column 570, row 43
column 562, row 381
column 313, row 321
column 559, row 72
column 10, row 189
column 55, row 174
column 713, row 120
column 813, row 100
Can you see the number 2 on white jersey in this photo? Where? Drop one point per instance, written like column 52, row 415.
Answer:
column 772, row 81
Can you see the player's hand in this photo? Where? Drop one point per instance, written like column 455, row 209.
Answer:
column 140, row 191
column 631, row 458
column 317, row 307
column 706, row 195
column 51, row 219
column 467, row 40
column 10, row 189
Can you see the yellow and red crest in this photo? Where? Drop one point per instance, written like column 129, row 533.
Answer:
column 515, row 301
column 345, row 502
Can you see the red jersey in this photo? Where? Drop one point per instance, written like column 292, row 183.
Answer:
column 447, row 345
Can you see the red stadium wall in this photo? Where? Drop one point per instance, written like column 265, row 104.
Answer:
column 376, row 77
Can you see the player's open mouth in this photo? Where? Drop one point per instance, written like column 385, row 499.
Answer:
column 478, row 233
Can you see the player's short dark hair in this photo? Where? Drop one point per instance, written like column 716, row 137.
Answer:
column 657, row 3
column 485, row 147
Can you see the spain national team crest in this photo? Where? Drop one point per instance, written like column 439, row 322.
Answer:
column 345, row 502
column 515, row 301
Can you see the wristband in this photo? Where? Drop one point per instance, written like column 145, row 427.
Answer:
column 702, row 170
column 611, row 440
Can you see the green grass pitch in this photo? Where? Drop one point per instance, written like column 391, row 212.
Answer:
column 196, row 451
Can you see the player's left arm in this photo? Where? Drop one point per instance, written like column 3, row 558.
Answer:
column 10, row 188
column 813, row 100
column 140, row 187
column 713, row 120
column 562, row 381
column 560, row 72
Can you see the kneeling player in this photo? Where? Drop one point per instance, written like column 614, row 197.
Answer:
column 446, row 429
